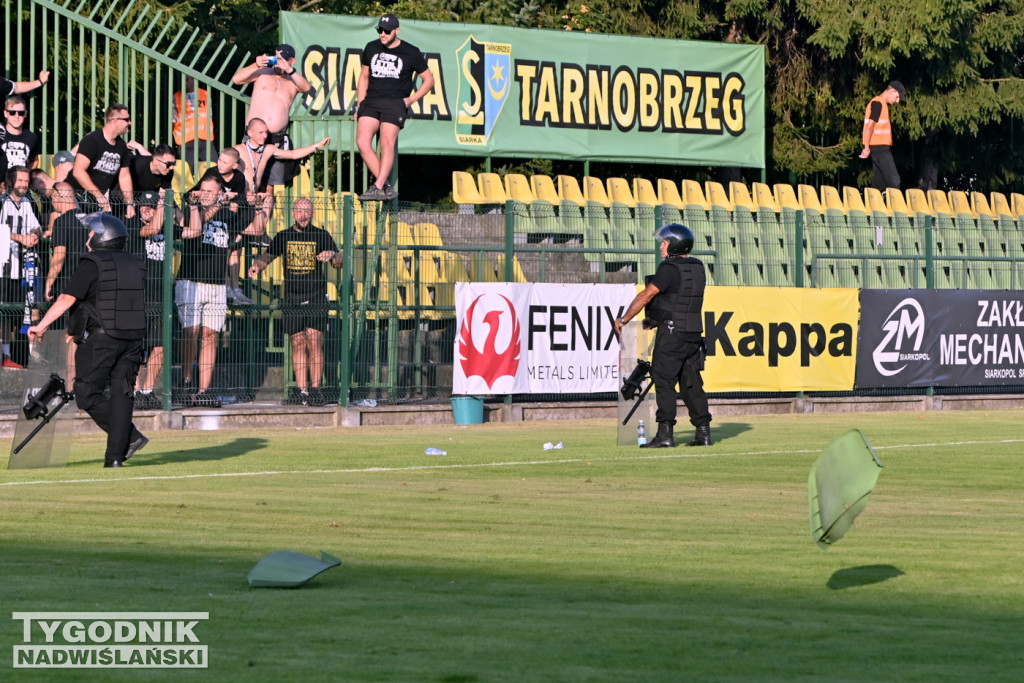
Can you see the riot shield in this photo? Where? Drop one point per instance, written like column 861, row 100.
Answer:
column 44, row 439
column 636, row 344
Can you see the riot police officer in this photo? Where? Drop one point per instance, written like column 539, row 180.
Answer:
column 674, row 297
column 108, row 322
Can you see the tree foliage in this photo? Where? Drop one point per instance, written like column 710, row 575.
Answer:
column 825, row 60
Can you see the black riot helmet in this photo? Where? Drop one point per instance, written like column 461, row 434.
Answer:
column 679, row 238
column 108, row 231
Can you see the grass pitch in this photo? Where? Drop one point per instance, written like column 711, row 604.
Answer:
column 505, row 562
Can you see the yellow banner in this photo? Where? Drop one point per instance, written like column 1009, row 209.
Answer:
column 780, row 339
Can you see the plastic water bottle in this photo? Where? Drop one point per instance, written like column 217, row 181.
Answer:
column 641, row 434
column 435, row 451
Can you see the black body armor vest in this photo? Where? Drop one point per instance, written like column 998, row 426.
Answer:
column 119, row 308
column 683, row 307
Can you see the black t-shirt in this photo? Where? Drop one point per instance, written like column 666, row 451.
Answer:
column 236, row 184
column 143, row 178
column 392, row 70
column 154, row 250
column 666, row 278
column 105, row 160
column 83, row 280
column 68, row 232
column 304, row 277
column 6, row 90
column 21, row 147
column 205, row 258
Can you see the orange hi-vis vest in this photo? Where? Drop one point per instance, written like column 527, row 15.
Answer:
column 192, row 119
column 882, row 134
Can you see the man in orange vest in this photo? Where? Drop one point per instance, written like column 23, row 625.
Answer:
column 877, row 137
column 192, row 121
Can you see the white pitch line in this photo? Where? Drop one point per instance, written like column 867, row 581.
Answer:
column 513, row 463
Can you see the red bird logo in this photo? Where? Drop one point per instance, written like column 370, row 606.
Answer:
column 488, row 364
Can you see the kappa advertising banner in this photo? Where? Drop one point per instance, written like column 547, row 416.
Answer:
column 917, row 338
column 554, row 94
column 516, row 338
column 780, row 339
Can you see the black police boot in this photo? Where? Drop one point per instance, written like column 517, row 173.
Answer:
column 703, row 436
column 663, row 439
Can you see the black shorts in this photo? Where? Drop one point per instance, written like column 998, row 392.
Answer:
column 297, row 317
column 385, row 110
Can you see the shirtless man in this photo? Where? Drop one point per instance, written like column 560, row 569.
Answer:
column 275, row 85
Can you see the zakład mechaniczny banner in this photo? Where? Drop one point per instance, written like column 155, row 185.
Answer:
column 920, row 338
column 514, row 92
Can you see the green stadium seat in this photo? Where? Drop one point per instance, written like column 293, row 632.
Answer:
column 865, row 231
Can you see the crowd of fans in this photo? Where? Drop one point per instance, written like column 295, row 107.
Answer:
column 42, row 234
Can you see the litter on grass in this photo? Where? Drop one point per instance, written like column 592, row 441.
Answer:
column 288, row 569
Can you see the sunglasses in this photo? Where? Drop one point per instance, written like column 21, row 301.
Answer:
column 17, row 112
column 119, row 118
column 168, row 164
column 382, row 31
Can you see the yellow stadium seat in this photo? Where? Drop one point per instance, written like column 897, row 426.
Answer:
column 1000, row 205
column 764, row 197
column 517, row 187
column 644, row 192
column 464, row 189
column 544, row 188
column 593, row 191
column 918, row 202
column 853, row 199
column 716, row 194
column 618, row 191
column 1017, row 204
column 668, row 193
column 876, row 202
column 896, row 202
column 569, row 190
column 694, row 194
column 739, row 195
column 961, row 204
column 979, row 205
column 940, row 202
column 491, row 188
column 809, row 198
column 785, row 197
column 831, row 200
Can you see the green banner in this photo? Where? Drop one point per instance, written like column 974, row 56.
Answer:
column 513, row 92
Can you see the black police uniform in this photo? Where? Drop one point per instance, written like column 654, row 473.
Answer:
column 678, row 343
column 109, row 324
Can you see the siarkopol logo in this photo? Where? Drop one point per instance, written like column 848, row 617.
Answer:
column 484, row 84
column 480, row 336
column 901, row 343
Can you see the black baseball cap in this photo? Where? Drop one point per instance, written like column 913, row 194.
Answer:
column 898, row 87
column 286, row 50
column 387, row 23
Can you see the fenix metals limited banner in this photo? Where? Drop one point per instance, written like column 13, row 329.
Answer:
column 516, row 92
column 915, row 338
column 780, row 339
column 517, row 338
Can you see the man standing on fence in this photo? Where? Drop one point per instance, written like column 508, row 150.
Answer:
column 20, row 144
column 305, row 248
column 383, row 97
column 877, row 137
column 676, row 296
column 8, row 88
column 275, row 85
